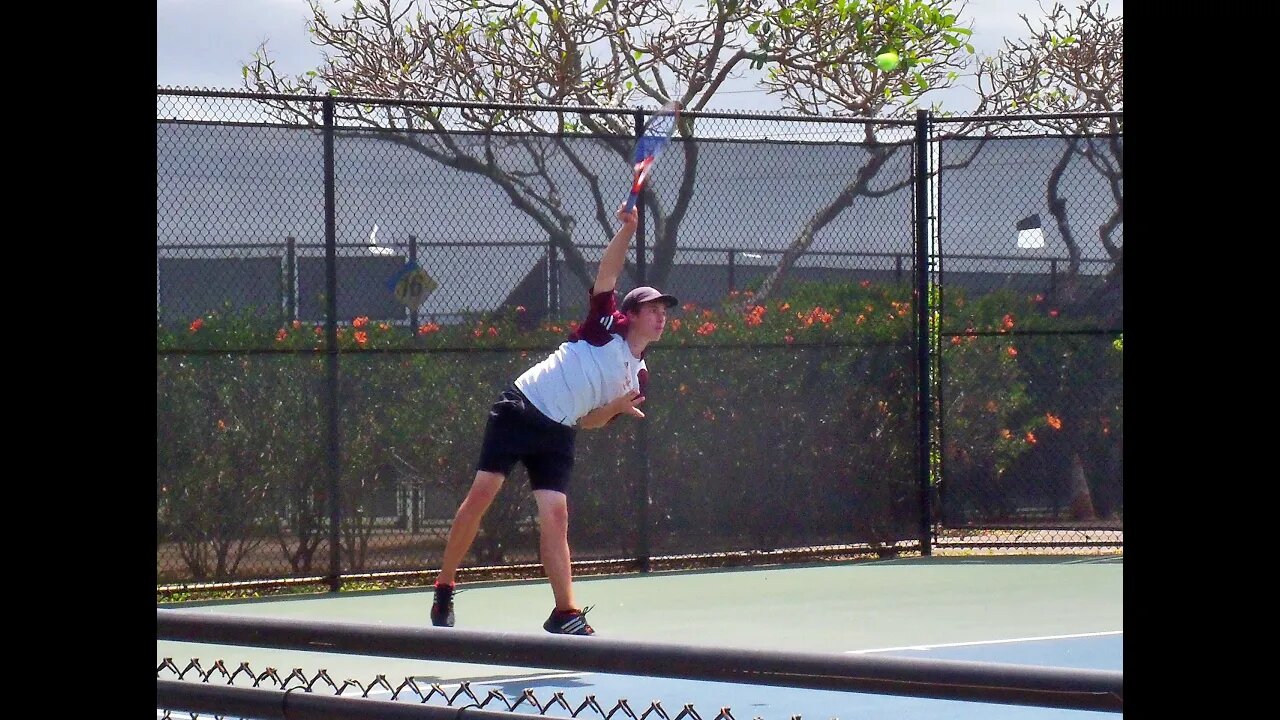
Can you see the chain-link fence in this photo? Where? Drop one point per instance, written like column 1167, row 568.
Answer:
column 344, row 284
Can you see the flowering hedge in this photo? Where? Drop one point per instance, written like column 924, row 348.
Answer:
column 771, row 424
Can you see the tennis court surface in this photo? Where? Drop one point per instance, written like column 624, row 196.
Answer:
column 1040, row 612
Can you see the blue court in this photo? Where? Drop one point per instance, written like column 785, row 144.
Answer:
column 1058, row 612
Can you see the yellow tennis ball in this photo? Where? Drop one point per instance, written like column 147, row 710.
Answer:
column 887, row 61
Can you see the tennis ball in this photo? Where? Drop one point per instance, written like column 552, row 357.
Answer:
column 887, row 60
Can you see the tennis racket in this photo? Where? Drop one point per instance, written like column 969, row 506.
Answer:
column 653, row 139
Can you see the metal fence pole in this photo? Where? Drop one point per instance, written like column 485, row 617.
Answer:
column 333, row 464
column 922, row 321
column 642, row 430
column 413, row 309
column 290, row 280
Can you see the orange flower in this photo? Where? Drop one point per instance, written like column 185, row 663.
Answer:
column 1039, row 297
column 865, row 284
column 222, row 426
column 493, row 331
column 362, row 337
column 684, row 389
column 282, row 335
column 784, row 307
column 1005, row 434
column 789, row 339
column 384, row 326
column 1053, row 313
column 1007, row 323
column 1031, row 438
column 1054, row 421
column 360, row 322
column 675, row 324
column 706, row 329
column 196, row 324
column 955, row 340
column 428, row 328
column 297, row 324
column 992, row 406
column 1013, row 351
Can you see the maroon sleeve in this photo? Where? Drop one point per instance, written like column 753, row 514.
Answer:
column 603, row 320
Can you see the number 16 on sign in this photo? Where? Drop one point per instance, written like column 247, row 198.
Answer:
column 412, row 285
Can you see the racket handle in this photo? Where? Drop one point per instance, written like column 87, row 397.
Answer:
column 631, row 201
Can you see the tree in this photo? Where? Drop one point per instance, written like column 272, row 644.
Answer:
column 1074, row 63
column 822, row 63
column 614, row 53
column 1071, row 63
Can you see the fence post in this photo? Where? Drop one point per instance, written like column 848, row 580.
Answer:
column 922, row 325
column 413, row 309
column 290, row 283
column 732, row 280
column 553, row 280
column 642, row 430
column 333, row 464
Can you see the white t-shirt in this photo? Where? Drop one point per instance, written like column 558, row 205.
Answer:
column 591, row 368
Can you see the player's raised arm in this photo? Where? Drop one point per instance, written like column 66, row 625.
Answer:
column 615, row 256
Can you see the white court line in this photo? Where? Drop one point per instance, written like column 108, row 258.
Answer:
column 557, row 675
column 987, row 642
column 548, row 676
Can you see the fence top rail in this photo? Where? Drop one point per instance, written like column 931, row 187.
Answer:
column 919, row 677
column 597, row 109
column 1094, row 114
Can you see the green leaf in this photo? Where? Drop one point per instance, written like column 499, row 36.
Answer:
column 598, row 6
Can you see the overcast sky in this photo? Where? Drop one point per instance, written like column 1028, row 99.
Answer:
column 204, row 43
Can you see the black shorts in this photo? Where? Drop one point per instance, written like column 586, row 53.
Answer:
column 518, row 432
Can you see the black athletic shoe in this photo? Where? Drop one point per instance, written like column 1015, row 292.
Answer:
column 572, row 622
column 442, row 608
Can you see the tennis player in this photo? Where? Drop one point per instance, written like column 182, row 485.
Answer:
column 598, row 374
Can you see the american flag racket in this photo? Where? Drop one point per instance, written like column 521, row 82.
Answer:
column 653, row 139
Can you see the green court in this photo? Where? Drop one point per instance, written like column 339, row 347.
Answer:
column 901, row 605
